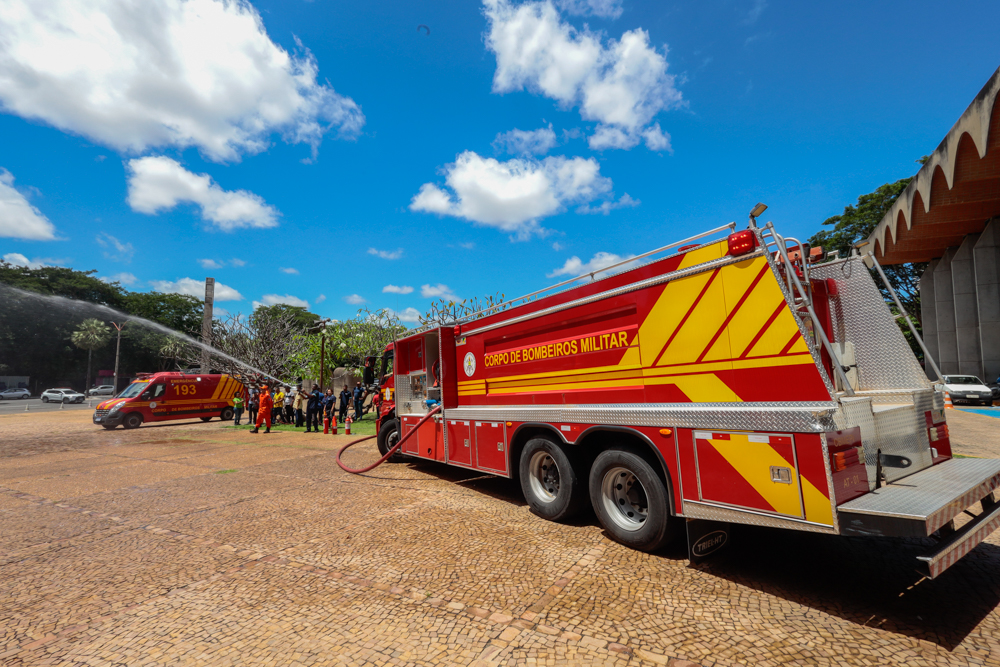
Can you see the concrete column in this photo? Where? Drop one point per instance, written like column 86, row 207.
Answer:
column 206, row 323
column 928, row 317
column 963, row 284
column 944, row 302
column 987, row 262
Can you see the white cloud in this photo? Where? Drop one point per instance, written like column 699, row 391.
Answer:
column 195, row 288
column 608, row 206
column 513, row 195
column 468, row 246
column 210, row 264
column 438, row 291
column 289, row 270
column 122, row 252
column 409, row 315
column 354, row 299
column 575, row 267
column 621, row 84
column 557, row 246
column 159, row 183
column 17, row 259
column 127, row 279
column 526, row 142
column 758, row 8
column 237, row 262
column 18, row 218
column 138, row 75
column 321, row 298
column 275, row 299
column 611, row 9
column 397, row 289
column 386, row 254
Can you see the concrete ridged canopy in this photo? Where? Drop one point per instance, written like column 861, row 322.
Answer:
column 955, row 193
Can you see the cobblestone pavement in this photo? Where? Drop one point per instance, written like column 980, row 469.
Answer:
column 188, row 543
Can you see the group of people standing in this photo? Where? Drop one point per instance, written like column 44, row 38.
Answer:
column 281, row 404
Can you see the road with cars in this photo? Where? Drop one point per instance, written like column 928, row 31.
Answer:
column 34, row 404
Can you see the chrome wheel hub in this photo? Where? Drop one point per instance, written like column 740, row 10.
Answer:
column 624, row 499
column 544, row 476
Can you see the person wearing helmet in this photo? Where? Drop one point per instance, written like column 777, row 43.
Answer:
column 264, row 412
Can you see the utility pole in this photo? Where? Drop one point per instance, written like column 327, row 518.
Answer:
column 118, row 349
column 319, row 328
column 206, row 323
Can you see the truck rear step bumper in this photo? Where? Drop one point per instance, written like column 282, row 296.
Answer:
column 918, row 505
column 923, row 503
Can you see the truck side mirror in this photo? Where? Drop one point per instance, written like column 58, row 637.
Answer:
column 369, row 373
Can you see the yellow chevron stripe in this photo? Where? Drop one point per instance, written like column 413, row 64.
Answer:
column 817, row 505
column 753, row 460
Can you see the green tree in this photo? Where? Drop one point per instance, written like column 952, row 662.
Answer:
column 90, row 335
column 856, row 223
column 299, row 316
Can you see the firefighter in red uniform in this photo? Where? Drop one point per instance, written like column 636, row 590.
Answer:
column 264, row 412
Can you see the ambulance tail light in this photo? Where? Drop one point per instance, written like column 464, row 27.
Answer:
column 845, row 459
column 741, row 243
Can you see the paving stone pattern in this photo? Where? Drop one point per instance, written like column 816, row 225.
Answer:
column 189, row 543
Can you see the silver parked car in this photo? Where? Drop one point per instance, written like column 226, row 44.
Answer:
column 62, row 395
column 103, row 390
column 14, row 392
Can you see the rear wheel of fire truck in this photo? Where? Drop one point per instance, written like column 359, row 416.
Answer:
column 132, row 420
column 388, row 436
column 630, row 500
column 550, row 482
column 227, row 415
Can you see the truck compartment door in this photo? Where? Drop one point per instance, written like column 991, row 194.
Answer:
column 459, row 442
column 491, row 447
column 407, row 422
column 755, row 471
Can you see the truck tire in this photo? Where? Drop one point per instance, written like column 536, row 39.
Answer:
column 549, row 481
column 227, row 415
column 132, row 420
column 388, row 436
column 630, row 500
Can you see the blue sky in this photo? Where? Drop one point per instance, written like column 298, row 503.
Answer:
column 328, row 152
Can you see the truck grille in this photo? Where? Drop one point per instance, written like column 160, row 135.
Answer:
column 100, row 413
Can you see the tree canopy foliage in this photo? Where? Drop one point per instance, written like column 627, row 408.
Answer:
column 35, row 332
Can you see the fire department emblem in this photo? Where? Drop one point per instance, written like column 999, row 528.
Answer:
column 469, row 364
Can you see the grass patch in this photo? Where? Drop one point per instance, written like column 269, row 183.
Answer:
column 225, row 472
column 963, row 456
column 364, row 427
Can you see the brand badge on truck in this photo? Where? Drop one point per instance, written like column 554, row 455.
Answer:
column 469, row 364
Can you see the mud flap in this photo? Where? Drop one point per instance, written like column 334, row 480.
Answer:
column 707, row 539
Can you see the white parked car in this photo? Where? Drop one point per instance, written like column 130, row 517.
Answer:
column 967, row 389
column 103, row 390
column 14, row 392
column 62, row 395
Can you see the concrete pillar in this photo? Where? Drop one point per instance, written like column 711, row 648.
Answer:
column 963, row 284
column 987, row 262
column 928, row 317
column 944, row 298
column 206, row 323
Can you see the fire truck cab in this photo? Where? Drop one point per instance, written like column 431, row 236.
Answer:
column 156, row 397
column 729, row 379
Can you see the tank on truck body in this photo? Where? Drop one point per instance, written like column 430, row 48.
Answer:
column 154, row 397
column 730, row 381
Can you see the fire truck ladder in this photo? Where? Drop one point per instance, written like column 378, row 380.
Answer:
column 799, row 295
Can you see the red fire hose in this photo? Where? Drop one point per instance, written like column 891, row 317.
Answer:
column 387, row 454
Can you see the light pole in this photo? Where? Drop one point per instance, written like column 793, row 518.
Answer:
column 118, row 348
column 318, row 328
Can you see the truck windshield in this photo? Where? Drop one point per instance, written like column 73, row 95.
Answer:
column 133, row 390
column 962, row 379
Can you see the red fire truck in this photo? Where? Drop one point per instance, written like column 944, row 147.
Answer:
column 727, row 380
column 156, row 397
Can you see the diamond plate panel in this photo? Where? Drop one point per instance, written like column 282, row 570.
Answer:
column 860, row 315
column 699, row 510
column 900, row 432
column 779, row 417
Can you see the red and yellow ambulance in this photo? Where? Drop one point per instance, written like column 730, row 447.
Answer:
column 154, row 397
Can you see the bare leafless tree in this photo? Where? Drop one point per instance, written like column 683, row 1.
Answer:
column 445, row 312
column 264, row 343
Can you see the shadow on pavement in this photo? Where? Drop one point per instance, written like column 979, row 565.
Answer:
column 868, row 581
